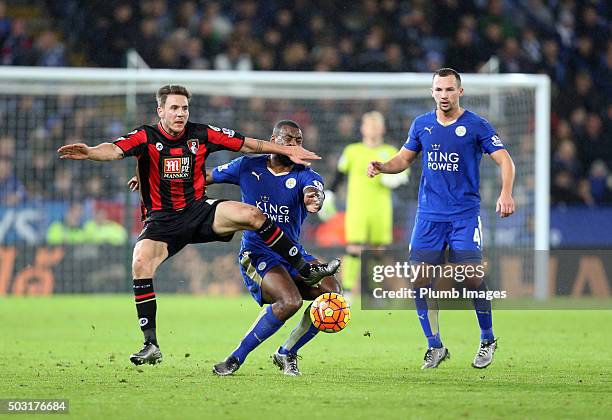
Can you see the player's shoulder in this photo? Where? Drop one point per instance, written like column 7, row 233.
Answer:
column 476, row 119
column 351, row 147
column 144, row 127
column 389, row 148
column 425, row 119
column 201, row 128
column 305, row 170
column 253, row 159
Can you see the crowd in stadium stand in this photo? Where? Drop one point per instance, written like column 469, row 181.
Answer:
column 568, row 40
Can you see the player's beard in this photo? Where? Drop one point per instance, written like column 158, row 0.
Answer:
column 284, row 160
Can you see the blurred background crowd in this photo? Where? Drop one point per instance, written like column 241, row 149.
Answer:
column 567, row 39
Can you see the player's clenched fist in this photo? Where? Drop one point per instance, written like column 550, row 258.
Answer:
column 313, row 200
column 374, row 168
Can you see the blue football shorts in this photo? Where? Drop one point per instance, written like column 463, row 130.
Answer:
column 430, row 240
column 255, row 264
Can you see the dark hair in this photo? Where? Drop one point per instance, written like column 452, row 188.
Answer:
column 164, row 91
column 282, row 123
column 447, row 71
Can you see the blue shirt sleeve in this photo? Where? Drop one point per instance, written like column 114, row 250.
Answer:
column 312, row 179
column 413, row 142
column 488, row 138
column 228, row 173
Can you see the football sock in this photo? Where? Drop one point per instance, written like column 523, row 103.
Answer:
column 301, row 334
column 482, row 307
column 275, row 238
column 264, row 326
column 427, row 311
column 146, row 307
column 351, row 267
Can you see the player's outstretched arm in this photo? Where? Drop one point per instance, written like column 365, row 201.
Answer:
column 297, row 154
column 81, row 151
column 398, row 163
column 505, row 202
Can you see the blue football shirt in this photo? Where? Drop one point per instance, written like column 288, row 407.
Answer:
column 449, row 187
column 280, row 196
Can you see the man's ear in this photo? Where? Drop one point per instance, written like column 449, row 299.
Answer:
column 159, row 111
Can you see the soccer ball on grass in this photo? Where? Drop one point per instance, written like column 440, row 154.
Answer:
column 330, row 312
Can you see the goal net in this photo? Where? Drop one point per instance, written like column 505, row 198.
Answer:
column 69, row 226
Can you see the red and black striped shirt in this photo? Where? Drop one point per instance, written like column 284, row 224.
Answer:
column 171, row 170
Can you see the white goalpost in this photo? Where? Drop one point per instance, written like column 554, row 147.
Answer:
column 41, row 108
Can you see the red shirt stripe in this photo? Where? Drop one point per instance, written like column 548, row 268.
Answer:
column 154, row 181
column 176, row 188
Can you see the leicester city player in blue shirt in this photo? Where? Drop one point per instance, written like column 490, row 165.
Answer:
column 287, row 193
column 452, row 140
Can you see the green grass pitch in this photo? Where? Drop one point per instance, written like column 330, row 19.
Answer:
column 550, row 364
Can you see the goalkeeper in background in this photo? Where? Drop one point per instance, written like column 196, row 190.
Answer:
column 369, row 210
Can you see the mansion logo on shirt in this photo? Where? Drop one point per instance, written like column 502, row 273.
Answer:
column 176, row 167
column 442, row 161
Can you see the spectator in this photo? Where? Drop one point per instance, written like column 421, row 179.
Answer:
column 563, row 189
column 69, row 231
column 5, row 23
column 101, row 230
column 463, row 54
column 565, row 159
column 233, row 59
column 12, row 191
column 147, row 41
column 49, row 50
column 193, row 56
column 600, row 182
column 17, row 47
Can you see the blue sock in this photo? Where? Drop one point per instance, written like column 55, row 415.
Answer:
column 483, row 313
column 428, row 317
column 301, row 334
column 266, row 325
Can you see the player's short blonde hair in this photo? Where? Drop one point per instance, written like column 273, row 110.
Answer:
column 374, row 116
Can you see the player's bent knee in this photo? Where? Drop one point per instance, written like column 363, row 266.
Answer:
column 251, row 217
column 289, row 305
column 142, row 267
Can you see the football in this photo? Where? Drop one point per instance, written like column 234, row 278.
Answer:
column 330, row 312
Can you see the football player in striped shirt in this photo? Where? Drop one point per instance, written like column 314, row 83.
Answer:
column 171, row 171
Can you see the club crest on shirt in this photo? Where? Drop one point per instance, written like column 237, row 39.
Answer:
column 193, row 145
column 290, row 183
column 460, row 131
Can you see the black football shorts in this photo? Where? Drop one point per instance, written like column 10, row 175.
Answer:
column 192, row 225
